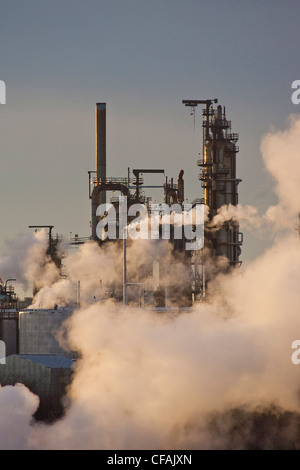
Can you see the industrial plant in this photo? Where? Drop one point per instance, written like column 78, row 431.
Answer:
column 34, row 355
column 218, row 179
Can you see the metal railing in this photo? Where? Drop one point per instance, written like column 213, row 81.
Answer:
column 6, row 313
column 234, row 137
column 202, row 162
column 109, row 180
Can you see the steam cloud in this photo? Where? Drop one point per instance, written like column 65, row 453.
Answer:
column 27, row 259
column 218, row 376
column 281, row 155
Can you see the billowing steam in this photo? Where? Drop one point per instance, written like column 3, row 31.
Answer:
column 281, row 155
column 218, row 376
column 27, row 259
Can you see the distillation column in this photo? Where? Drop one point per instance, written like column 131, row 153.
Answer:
column 219, row 182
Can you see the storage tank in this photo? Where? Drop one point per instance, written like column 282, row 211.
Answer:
column 45, row 375
column 9, row 331
column 40, row 330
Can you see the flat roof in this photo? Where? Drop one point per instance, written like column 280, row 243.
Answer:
column 49, row 360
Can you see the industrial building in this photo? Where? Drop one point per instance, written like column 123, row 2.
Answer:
column 9, row 316
column 34, row 356
column 219, row 182
column 46, row 375
column 40, row 330
column 117, row 195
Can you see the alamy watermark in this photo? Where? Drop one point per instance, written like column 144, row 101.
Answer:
column 296, row 94
column 162, row 221
column 296, row 354
column 2, row 92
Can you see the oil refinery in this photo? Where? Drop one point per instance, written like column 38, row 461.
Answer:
column 29, row 334
column 220, row 187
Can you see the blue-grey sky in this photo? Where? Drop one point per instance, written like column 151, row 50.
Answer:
column 142, row 57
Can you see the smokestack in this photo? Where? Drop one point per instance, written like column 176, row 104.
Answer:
column 180, row 187
column 101, row 144
column 99, row 197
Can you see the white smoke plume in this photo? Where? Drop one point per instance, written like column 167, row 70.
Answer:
column 152, row 381
column 27, row 261
column 18, row 404
column 281, row 156
column 96, row 273
column 217, row 376
column 247, row 216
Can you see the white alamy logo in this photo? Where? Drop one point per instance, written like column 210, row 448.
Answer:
column 295, row 95
column 2, row 92
column 296, row 354
column 161, row 221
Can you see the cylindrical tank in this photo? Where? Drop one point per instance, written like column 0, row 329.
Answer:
column 9, row 333
column 40, row 330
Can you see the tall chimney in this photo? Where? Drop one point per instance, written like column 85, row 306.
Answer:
column 101, row 144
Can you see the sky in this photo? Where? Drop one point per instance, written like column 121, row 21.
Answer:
column 59, row 58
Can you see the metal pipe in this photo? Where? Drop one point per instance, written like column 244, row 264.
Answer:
column 124, row 268
column 101, row 144
column 180, row 187
column 78, row 294
column 50, row 227
column 99, row 197
column 7, row 280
